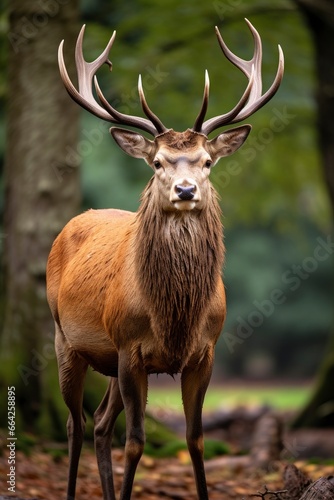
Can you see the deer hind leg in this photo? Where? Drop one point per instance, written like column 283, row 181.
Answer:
column 194, row 385
column 72, row 370
column 104, row 421
column 133, row 386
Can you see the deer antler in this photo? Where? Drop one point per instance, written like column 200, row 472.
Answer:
column 85, row 98
column 252, row 98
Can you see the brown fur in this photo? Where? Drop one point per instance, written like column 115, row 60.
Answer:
column 181, row 140
column 179, row 259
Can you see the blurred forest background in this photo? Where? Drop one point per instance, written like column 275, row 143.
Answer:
column 57, row 161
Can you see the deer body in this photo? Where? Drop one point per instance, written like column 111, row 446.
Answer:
column 139, row 293
column 130, row 273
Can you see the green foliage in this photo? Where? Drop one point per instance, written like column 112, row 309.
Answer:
column 26, row 443
column 212, row 448
column 157, row 434
column 262, row 338
column 225, row 395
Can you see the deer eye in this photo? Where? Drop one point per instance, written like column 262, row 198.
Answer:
column 157, row 164
column 208, row 163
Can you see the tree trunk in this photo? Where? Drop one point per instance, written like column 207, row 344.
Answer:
column 319, row 411
column 320, row 18
column 41, row 194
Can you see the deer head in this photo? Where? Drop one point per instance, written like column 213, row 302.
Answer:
column 181, row 160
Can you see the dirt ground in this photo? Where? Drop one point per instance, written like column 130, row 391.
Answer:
column 42, row 473
column 40, row 476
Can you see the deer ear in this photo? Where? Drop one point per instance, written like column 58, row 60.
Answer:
column 132, row 143
column 229, row 141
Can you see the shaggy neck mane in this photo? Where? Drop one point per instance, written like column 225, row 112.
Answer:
column 179, row 256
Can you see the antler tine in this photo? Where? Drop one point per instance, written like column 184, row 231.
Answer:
column 148, row 112
column 201, row 115
column 218, row 121
column 245, row 66
column 86, row 70
column 257, row 103
column 252, row 69
column 84, row 96
column 118, row 117
column 249, row 69
column 96, row 110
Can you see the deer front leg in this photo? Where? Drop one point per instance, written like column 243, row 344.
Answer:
column 194, row 383
column 104, row 421
column 133, row 387
column 72, row 370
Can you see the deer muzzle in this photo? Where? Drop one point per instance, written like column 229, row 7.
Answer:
column 185, row 194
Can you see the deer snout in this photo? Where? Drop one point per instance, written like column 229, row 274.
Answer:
column 185, row 193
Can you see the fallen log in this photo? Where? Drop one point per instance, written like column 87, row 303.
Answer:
column 300, row 487
column 267, row 441
column 322, row 489
column 223, row 419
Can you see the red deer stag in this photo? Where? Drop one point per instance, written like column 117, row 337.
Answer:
column 139, row 293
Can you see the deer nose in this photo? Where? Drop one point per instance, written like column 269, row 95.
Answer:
column 185, row 193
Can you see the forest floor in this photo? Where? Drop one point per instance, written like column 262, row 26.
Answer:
column 42, row 475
